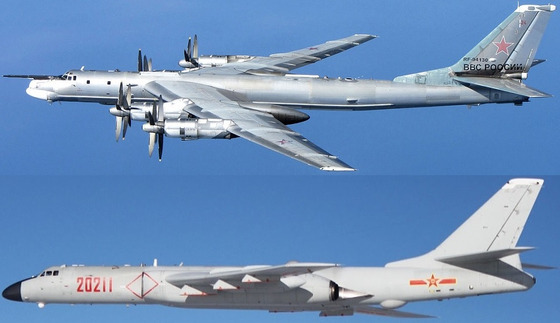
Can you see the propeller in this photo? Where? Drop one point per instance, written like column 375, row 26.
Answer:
column 191, row 53
column 155, row 127
column 144, row 65
column 121, row 111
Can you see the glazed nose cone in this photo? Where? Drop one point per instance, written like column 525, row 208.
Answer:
column 13, row 292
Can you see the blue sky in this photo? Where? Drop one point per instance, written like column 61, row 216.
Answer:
column 70, row 194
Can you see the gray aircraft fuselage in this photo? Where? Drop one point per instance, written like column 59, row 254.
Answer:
column 294, row 91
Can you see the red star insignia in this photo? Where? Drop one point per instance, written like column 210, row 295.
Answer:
column 502, row 46
column 432, row 281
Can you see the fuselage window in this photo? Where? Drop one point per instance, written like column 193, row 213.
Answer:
column 55, row 273
column 87, row 81
column 74, row 77
column 108, row 82
column 49, row 273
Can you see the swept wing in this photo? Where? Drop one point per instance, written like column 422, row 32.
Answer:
column 249, row 274
column 259, row 127
column 282, row 63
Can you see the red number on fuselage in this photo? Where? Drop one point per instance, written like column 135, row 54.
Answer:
column 80, row 282
column 94, row 284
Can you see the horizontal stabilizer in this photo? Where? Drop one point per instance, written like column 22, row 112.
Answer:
column 533, row 266
column 503, row 84
column 537, row 61
column 483, row 256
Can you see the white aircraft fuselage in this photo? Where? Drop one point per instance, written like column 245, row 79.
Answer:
column 317, row 291
column 480, row 257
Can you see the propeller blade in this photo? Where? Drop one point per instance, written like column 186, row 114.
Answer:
column 139, row 60
column 120, row 98
column 160, row 113
column 128, row 102
column 118, row 128
column 152, row 114
column 188, row 51
column 160, row 144
column 150, row 65
column 126, row 122
column 145, row 63
column 195, row 48
column 151, row 143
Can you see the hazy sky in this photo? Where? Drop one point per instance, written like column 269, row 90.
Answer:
column 70, row 194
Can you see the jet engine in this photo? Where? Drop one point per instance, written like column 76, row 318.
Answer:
column 324, row 290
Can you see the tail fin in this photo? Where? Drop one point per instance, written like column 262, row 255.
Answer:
column 508, row 52
column 491, row 232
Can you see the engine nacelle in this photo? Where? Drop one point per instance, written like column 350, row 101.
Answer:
column 215, row 60
column 192, row 129
column 285, row 115
column 322, row 290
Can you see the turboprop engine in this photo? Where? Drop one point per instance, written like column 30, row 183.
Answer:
column 192, row 129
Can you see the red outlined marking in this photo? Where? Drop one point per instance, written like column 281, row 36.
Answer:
column 138, row 290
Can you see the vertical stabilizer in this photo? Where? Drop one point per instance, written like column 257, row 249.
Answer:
column 492, row 231
column 497, row 224
column 509, row 50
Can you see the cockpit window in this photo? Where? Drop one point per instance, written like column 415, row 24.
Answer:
column 49, row 273
column 68, row 76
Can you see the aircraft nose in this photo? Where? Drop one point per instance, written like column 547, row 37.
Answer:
column 13, row 292
column 39, row 89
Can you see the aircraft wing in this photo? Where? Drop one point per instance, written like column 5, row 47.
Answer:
column 237, row 275
column 258, row 127
column 388, row 312
column 282, row 63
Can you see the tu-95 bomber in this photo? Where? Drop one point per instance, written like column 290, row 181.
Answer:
column 256, row 98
